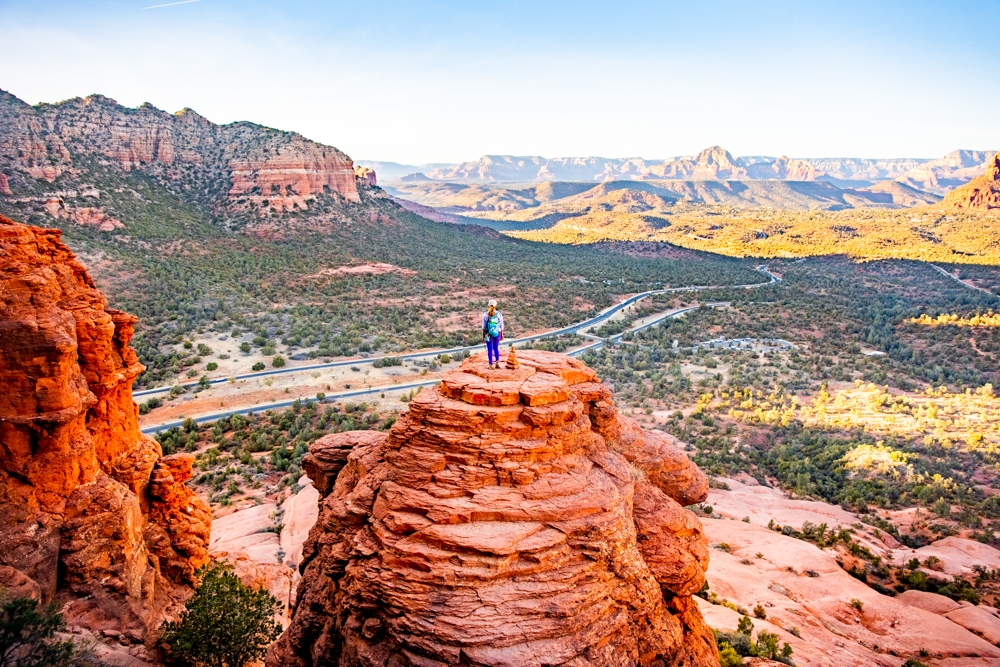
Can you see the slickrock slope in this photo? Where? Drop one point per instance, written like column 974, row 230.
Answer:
column 510, row 517
column 801, row 586
column 91, row 514
column 981, row 192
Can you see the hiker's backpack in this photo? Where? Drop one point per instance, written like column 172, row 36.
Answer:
column 493, row 326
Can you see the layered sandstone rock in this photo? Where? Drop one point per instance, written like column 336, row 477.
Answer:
column 88, row 216
column 510, row 517
column 982, row 192
column 266, row 170
column 89, row 510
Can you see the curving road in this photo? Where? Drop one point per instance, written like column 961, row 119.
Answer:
column 600, row 318
column 963, row 283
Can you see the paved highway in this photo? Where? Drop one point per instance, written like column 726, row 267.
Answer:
column 600, row 318
column 354, row 393
column 963, row 283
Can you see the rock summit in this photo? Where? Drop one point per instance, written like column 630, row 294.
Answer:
column 511, row 517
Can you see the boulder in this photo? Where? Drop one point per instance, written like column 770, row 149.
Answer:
column 932, row 602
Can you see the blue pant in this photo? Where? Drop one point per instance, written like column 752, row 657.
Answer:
column 493, row 348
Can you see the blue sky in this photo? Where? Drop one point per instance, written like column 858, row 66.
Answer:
column 449, row 81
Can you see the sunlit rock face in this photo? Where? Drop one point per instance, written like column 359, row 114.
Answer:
column 91, row 514
column 510, row 517
column 231, row 168
column 982, row 192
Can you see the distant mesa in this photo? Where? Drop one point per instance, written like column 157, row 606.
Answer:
column 982, row 192
column 560, row 199
column 419, row 176
column 714, row 163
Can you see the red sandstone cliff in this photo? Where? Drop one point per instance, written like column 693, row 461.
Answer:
column 230, row 168
column 91, row 514
column 510, row 517
column 981, row 192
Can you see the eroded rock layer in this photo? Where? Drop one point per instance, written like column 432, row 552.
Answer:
column 510, row 517
column 91, row 514
column 981, row 192
column 265, row 169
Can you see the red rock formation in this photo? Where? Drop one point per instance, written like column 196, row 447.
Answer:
column 981, row 192
column 47, row 142
column 510, row 517
column 89, row 511
column 86, row 216
column 366, row 175
column 291, row 178
column 5, row 186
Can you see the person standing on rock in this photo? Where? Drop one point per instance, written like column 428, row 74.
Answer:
column 493, row 333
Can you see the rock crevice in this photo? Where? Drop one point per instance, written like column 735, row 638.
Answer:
column 510, row 517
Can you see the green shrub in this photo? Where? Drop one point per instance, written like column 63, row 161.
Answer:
column 259, row 366
column 278, row 361
column 728, row 657
column 27, row 635
column 384, row 362
column 942, row 508
column 225, row 623
column 212, row 366
column 740, row 643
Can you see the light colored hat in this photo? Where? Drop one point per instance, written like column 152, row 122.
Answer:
column 493, row 302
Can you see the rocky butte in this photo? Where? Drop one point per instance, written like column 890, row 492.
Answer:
column 981, row 192
column 510, row 517
column 228, row 169
column 91, row 515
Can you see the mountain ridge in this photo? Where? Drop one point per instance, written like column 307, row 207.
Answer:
column 715, row 163
column 240, row 173
column 484, row 199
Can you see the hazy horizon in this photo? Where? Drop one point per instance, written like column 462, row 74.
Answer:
column 442, row 82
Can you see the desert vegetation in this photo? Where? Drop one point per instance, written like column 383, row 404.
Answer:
column 186, row 274
column 868, row 408
column 260, row 455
